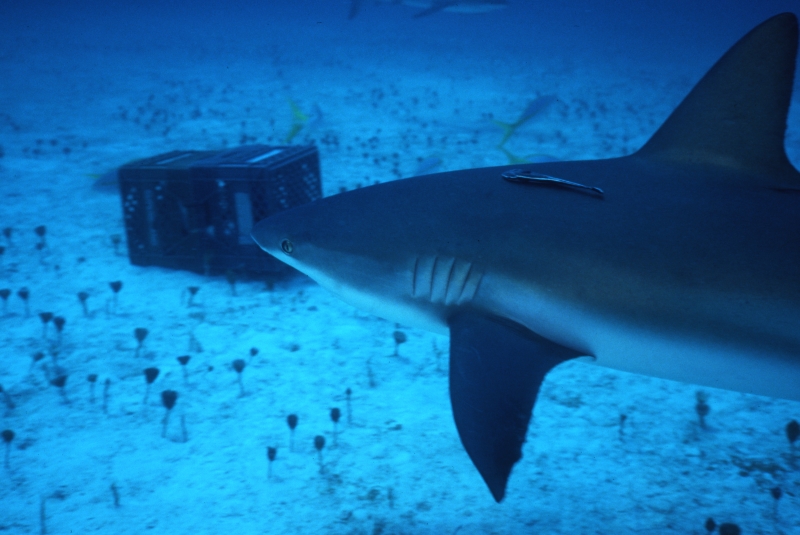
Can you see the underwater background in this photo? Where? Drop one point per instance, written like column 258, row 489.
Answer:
column 86, row 87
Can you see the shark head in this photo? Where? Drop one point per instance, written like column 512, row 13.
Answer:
column 415, row 273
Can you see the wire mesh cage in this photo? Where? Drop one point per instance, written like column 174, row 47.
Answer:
column 194, row 210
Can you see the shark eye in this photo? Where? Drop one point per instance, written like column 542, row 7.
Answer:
column 287, row 246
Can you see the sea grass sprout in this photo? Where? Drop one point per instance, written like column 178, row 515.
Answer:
column 399, row 338
column 168, row 399
column 336, row 414
column 8, row 436
column 82, row 297
column 292, row 421
column 184, row 360
column 4, row 293
column 271, row 454
column 192, row 292
column 25, row 295
column 140, row 333
column 319, row 443
column 239, row 365
column 92, row 378
column 60, row 381
column 45, row 317
column 150, row 375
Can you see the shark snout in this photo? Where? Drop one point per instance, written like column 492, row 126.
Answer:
column 292, row 236
column 261, row 233
column 267, row 234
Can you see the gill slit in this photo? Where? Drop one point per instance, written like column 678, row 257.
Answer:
column 414, row 277
column 433, row 274
column 464, row 283
column 449, row 278
column 477, row 285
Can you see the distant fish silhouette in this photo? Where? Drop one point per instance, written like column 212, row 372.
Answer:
column 107, row 181
column 426, row 166
column 429, row 7
column 355, row 7
column 302, row 122
column 531, row 111
column 299, row 120
column 513, row 159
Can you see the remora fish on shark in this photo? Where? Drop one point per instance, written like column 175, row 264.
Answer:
column 680, row 261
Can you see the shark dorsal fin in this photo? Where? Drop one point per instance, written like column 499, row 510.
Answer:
column 736, row 115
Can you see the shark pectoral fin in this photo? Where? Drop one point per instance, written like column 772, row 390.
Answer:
column 496, row 369
column 508, row 130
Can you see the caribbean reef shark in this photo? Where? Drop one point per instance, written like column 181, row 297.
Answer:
column 680, row 261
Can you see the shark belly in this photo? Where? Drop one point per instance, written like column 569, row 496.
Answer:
column 437, row 286
column 632, row 346
column 403, row 302
column 433, row 287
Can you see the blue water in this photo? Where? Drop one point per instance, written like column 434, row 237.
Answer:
column 87, row 86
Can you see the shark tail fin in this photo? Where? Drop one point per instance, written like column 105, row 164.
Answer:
column 508, row 130
column 293, row 131
column 736, row 115
column 297, row 113
column 513, row 159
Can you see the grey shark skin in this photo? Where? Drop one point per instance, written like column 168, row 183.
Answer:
column 686, row 267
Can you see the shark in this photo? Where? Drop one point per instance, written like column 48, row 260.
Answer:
column 679, row 261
